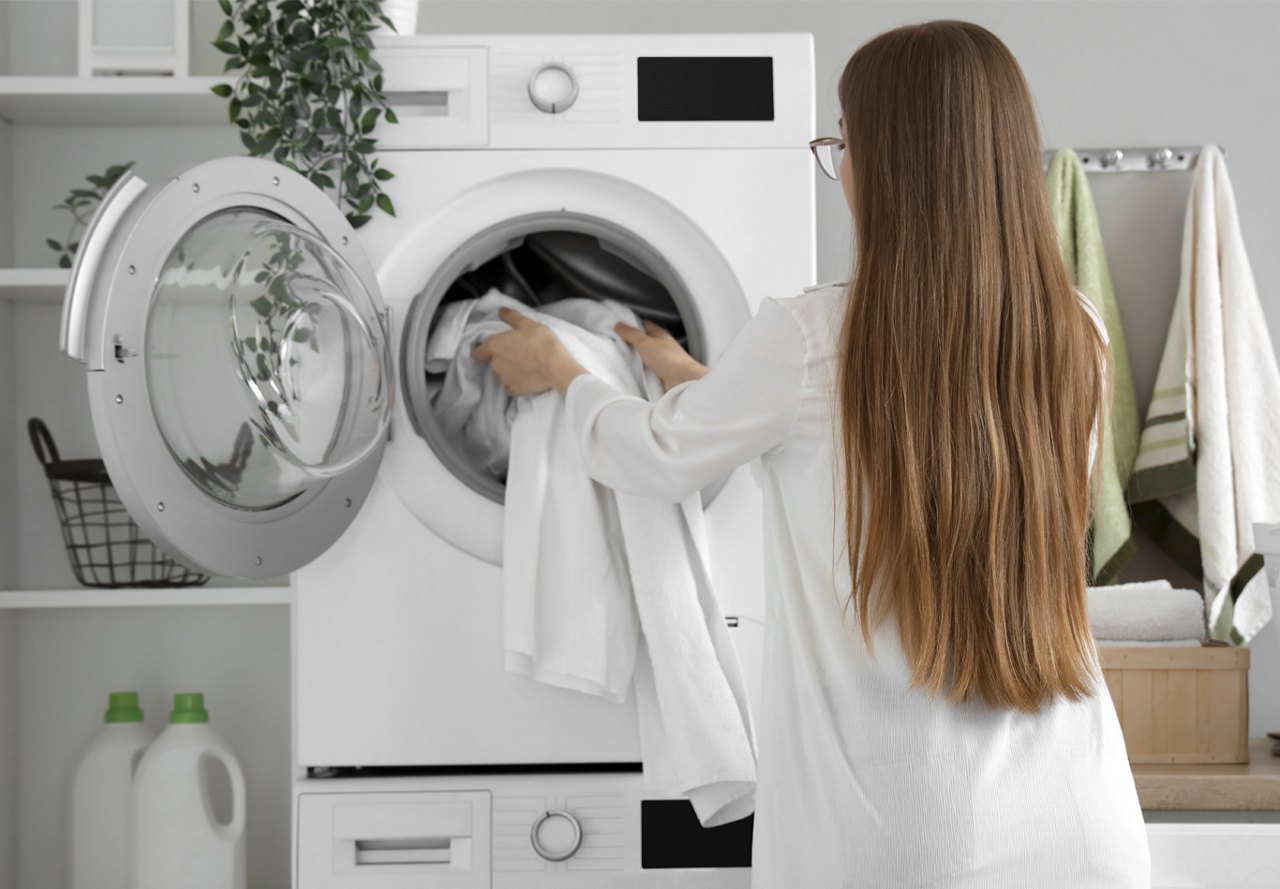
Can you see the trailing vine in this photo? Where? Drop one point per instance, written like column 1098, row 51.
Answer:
column 310, row 93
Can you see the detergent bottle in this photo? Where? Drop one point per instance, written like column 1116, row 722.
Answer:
column 100, row 792
column 177, row 841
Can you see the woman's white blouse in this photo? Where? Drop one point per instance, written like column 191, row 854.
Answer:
column 863, row 781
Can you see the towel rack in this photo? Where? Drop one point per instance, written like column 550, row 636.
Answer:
column 1134, row 160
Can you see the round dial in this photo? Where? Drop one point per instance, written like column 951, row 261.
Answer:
column 553, row 88
column 556, row 835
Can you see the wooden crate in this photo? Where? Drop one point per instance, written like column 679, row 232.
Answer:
column 1180, row 705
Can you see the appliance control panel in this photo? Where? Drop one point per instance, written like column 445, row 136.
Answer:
column 510, row 830
column 598, row 91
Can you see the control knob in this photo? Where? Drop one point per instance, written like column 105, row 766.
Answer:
column 553, row 88
column 556, row 835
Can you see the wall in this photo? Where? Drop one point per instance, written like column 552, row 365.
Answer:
column 1113, row 74
column 8, row 621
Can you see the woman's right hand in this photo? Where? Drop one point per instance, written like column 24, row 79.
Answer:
column 661, row 353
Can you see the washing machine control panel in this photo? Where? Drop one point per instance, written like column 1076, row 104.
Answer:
column 511, row 831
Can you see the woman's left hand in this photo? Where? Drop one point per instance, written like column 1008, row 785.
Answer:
column 528, row 359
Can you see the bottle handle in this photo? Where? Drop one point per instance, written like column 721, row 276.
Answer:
column 235, row 829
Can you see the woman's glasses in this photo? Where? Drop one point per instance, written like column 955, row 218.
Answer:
column 828, row 151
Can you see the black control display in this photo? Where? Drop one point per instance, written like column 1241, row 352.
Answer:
column 705, row 88
column 672, row 837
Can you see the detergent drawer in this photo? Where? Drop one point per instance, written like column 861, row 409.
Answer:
column 423, row 840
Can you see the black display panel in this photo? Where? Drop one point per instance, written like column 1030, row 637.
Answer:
column 705, row 88
column 670, row 837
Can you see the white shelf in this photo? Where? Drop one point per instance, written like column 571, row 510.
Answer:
column 111, row 101
column 134, row 597
column 33, row 285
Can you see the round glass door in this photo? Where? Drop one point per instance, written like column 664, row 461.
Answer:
column 267, row 363
column 239, row 369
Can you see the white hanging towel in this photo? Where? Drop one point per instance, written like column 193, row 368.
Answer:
column 1209, row 461
column 603, row 590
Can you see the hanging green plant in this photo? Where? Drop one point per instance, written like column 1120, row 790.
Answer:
column 310, row 92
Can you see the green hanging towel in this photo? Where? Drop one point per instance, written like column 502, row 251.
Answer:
column 1080, row 238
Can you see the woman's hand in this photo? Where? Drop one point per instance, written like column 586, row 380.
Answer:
column 528, row 359
column 661, row 353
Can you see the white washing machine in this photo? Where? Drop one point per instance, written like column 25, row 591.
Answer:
column 257, row 377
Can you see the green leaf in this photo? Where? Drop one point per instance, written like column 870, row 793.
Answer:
column 225, row 32
column 233, row 110
column 365, row 205
column 357, row 220
column 391, row 116
column 221, row 89
column 226, row 46
column 383, row 174
column 301, row 335
column 262, row 306
column 267, row 142
column 369, row 120
column 53, row 244
column 385, row 205
column 250, row 343
column 64, row 262
column 247, row 139
column 226, row 6
column 365, row 146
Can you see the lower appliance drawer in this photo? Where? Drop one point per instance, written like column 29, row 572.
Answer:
column 392, row 840
column 562, row 830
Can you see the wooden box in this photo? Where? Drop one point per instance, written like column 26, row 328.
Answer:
column 1179, row 705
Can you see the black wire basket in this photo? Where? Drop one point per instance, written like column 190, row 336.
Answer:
column 105, row 545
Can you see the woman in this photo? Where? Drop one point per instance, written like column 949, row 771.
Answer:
column 933, row 711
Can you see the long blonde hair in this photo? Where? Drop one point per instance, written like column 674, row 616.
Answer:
column 969, row 376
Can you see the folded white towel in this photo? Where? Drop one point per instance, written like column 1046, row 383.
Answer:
column 1209, row 463
column 603, row 590
column 1145, row 612
column 1138, row 643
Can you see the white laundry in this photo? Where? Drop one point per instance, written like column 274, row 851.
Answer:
column 602, row 589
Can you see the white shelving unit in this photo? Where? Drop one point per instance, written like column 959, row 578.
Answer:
column 63, row 647
column 33, row 285
column 134, row 597
column 111, row 101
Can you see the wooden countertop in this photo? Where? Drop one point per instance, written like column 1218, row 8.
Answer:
column 1253, row 786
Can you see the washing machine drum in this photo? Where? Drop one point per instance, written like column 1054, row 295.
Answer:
column 550, row 266
column 538, row 269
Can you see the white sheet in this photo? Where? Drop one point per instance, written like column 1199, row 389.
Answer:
column 603, row 589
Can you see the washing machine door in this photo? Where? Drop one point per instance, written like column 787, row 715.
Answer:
column 239, row 370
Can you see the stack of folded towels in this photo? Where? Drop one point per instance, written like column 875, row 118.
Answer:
column 1148, row 613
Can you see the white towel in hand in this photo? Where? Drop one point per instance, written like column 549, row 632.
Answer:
column 1145, row 612
column 603, row 590
column 1209, row 461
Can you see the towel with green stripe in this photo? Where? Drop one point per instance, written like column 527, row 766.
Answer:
column 1080, row 239
column 1208, row 465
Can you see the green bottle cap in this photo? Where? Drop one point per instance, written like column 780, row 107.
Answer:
column 123, row 707
column 188, row 709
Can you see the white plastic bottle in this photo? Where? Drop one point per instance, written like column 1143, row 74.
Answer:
column 100, row 792
column 177, row 842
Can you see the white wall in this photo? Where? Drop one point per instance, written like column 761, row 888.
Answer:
column 8, row 622
column 1103, row 74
